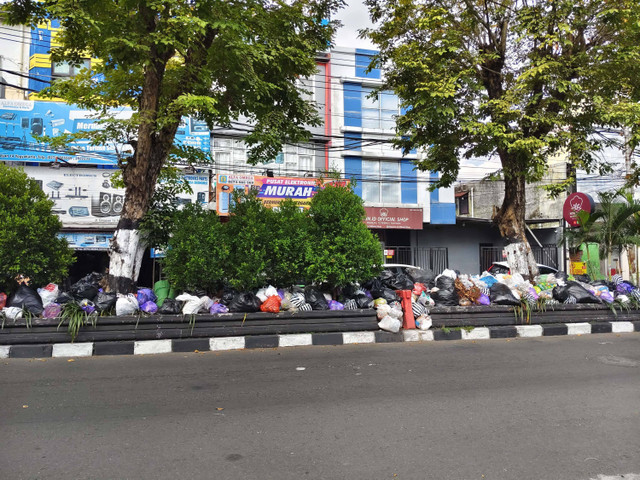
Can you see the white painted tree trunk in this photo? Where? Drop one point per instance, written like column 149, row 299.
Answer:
column 125, row 259
column 521, row 260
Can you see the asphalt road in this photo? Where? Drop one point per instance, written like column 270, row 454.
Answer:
column 547, row 408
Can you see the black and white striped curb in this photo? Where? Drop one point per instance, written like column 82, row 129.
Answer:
column 147, row 347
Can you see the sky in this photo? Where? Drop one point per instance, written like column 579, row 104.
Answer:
column 353, row 17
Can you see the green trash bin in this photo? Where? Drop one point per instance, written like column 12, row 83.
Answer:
column 163, row 290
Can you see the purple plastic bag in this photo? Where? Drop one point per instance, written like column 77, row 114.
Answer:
column 218, row 308
column 335, row 305
column 281, row 293
column 88, row 306
column 484, row 299
column 624, row 288
column 606, row 297
column 52, row 310
column 149, row 307
column 146, row 295
column 368, row 294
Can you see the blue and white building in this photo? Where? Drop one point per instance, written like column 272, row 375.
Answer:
column 361, row 129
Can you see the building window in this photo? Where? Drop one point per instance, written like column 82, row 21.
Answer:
column 462, row 203
column 381, row 181
column 66, row 69
column 379, row 112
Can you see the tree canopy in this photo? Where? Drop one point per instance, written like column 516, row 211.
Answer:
column 216, row 60
column 521, row 79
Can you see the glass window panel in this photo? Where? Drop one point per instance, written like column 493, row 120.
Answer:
column 370, row 118
column 368, row 102
column 388, row 101
column 371, row 191
column 62, row 68
column 389, row 171
column 388, row 124
column 306, row 163
column 390, row 192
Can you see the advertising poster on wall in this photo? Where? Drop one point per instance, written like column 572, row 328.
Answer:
column 271, row 190
column 86, row 198
column 23, row 121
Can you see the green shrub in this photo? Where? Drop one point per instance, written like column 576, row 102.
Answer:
column 28, row 237
column 290, row 241
column 197, row 256
column 249, row 233
column 342, row 249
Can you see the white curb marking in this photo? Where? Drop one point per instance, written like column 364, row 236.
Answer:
column 226, row 343
column 527, row 331
column 4, row 351
column 72, row 349
column 478, row 333
column 358, row 337
column 146, row 347
column 621, row 327
column 578, row 328
column 411, row 335
column 296, row 340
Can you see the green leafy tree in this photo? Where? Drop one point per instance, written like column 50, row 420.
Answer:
column 524, row 80
column 216, row 60
column 341, row 249
column 197, row 256
column 28, row 238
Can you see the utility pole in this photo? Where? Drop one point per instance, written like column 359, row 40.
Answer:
column 628, row 154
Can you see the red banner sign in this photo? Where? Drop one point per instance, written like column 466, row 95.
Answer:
column 400, row 218
column 575, row 203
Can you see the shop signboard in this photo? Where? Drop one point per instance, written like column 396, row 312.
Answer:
column 87, row 240
column 575, row 203
column 86, row 197
column 394, row 217
column 271, row 190
column 23, row 121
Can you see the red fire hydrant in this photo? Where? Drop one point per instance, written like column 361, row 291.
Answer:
column 409, row 320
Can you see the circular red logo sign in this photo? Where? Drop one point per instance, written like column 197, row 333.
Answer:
column 575, row 203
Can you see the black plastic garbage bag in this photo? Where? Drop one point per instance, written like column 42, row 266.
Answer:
column 446, row 283
column 27, row 299
column 447, row 298
column 64, row 298
column 575, row 290
column 500, row 294
column 386, row 293
column 402, row 282
column 170, row 306
column 105, row 301
column 245, row 302
column 419, row 275
column 362, row 301
column 87, row 287
column 315, row 298
column 348, row 291
column 387, row 277
column 227, row 296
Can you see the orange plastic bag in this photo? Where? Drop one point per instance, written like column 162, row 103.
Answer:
column 3, row 300
column 271, row 305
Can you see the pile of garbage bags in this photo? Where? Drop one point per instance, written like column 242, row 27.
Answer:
column 396, row 297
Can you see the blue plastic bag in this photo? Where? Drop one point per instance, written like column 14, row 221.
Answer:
column 146, row 295
column 149, row 307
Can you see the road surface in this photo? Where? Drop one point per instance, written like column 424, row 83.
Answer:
column 545, row 408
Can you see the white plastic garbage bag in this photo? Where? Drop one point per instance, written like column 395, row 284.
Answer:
column 192, row 304
column 127, row 305
column 447, row 273
column 12, row 313
column 424, row 322
column 396, row 312
column 382, row 311
column 390, row 324
column 48, row 294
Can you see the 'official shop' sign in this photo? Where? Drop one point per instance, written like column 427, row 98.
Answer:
column 399, row 218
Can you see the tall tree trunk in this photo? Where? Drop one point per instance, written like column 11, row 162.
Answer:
column 140, row 175
column 511, row 222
